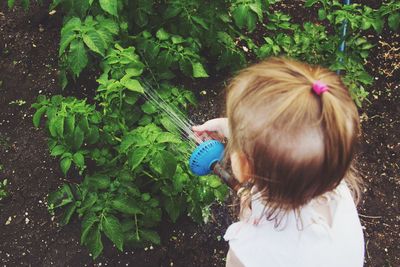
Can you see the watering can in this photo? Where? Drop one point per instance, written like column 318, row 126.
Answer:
column 205, row 160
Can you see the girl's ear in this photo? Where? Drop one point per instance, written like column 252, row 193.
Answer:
column 245, row 168
column 240, row 167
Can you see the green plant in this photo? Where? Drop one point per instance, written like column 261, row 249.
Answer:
column 25, row 3
column 3, row 189
column 359, row 16
column 392, row 11
column 94, row 34
column 72, row 125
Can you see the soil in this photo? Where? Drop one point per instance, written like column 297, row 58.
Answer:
column 30, row 236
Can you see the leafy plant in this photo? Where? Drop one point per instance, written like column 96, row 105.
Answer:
column 165, row 53
column 3, row 189
column 79, row 37
column 73, row 127
column 359, row 16
column 132, row 157
column 25, row 3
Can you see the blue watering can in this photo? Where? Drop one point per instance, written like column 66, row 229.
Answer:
column 205, row 160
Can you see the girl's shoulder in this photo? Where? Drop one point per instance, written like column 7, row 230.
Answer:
column 291, row 237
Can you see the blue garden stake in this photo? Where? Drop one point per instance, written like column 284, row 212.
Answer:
column 205, row 160
column 342, row 45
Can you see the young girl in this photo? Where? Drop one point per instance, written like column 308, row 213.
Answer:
column 292, row 130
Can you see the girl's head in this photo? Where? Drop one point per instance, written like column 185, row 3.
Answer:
column 294, row 144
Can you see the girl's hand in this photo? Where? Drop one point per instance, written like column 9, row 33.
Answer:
column 212, row 129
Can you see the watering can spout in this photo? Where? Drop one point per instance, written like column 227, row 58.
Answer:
column 206, row 158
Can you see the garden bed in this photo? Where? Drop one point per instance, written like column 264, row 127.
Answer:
column 30, row 236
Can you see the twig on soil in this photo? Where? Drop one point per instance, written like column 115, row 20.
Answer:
column 366, row 248
column 369, row 216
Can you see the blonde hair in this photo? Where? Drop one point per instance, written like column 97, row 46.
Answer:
column 299, row 145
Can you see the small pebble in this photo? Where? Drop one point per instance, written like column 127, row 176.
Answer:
column 8, row 220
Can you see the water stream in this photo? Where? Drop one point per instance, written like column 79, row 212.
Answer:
column 180, row 120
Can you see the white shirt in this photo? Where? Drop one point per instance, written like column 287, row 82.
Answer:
column 306, row 242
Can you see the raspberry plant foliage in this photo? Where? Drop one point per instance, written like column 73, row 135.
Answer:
column 128, row 156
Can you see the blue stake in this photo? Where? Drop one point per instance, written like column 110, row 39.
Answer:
column 342, row 45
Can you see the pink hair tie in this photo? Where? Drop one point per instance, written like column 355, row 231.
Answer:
column 319, row 87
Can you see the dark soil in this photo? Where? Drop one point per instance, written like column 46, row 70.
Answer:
column 30, row 236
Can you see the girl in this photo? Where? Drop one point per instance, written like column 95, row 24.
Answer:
column 291, row 131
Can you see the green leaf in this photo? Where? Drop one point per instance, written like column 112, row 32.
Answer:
column 137, row 155
column 70, row 124
column 65, row 164
column 98, row 181
column 164, row 163
column 59, row 124
column 256, row 7
column 173, row 208
column 148, row 108
column 95, row 117
column 189, row 96
column 394, row 20
column 84, row 124
column 321, row 14
column 198, row 70
column 93, row 241
column 68, row 214
column 310, row 3
column 78, row 138
column 10, row 3
column 94, row 41
column 151, row 236
column 74, row 24
column 134, row 71
column 201, row 22
column 171, row 11
column 93, row 135
column 126, row 142
column 112, row 229
column 244, row 17
column 87, row 203
column 63, row 79
column 169, row 138
column 61, row 197
column 38, row 114
column 162, row 35
column 87, row 224
column 79, row 160
column 58, row 150
column 65, row 40
column 141, row 17
column 365, row 23
column 169, row 125
column 77, row 57
column 377, row 23
column 25, row 4
column 110, row 6
column 133, row 85
column 110, row 25
column 52, row 126
column 214, row 182
column 126, row 205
